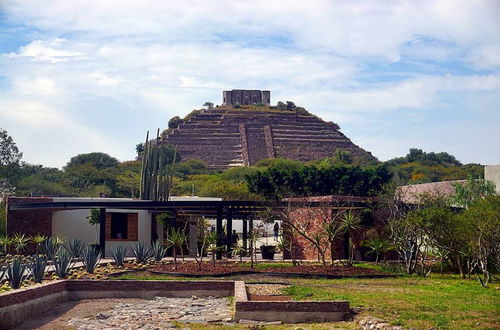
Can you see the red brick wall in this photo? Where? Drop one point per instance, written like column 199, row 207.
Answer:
column 29, row 222
column 311, row 220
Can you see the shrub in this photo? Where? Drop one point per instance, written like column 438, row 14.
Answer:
column 37, row 268
column 16, row 273
column 118, row 255
column 141, row 252
column 91, row 258
column 76, row 248
column 62, row 263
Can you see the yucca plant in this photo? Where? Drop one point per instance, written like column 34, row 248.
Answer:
column 176, row 239
column 5, row 242
column 141, row 252
column 238, row 250
column 38, row 240
column 62, row 263
column 16, row 273
column 20, row 242
column 377, row 246
column 76, row 248
column 37, row 268
column 118, row 254
column 50, row 247
column 158, row 250
column 2, row 273
column 91, row 258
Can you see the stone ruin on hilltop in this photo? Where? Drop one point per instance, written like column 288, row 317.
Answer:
column 241, row 135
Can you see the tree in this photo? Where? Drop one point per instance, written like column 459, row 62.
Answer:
column 9, row 153
column 281, row 105
column 290, row 105
column 174, row 122
column 350, row 222
column 472, row 190
column 209, row 105
column 97, row 160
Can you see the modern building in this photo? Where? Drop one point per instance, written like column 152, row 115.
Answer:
column 492, row 173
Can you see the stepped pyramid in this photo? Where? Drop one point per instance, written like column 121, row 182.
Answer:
column 225, row 136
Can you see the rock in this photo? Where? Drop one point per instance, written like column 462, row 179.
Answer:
column 102, row 316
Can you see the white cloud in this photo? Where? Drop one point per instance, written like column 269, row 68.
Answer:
column 109, row 71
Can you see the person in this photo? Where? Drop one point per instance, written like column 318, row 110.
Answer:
column 234, row 238
column 276, row 230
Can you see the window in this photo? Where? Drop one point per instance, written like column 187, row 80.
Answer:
column 121, row 226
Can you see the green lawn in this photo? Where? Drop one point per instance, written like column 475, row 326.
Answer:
column 440, row 301
column 444, row 302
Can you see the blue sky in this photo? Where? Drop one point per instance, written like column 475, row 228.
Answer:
column 80, row 76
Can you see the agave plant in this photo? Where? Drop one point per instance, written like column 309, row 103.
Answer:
column 20, row 241
column 118, row 254
column 91, row 258
column 76, row 248
column 2, row 273
column 37, row 268
column 62, row 263
column 50, row 247
column 158, row 250
column 16, row 273
column 5, row 242
column 141, row 252
column 38, row 240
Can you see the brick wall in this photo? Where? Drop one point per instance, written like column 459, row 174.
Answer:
column 28, row 222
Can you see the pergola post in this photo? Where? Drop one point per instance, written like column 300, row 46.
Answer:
column 102, row 231
column 220, row 233
column 245, row 235
column 250, row 227
column 229, row 233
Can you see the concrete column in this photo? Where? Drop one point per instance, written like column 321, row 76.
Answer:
column 229, row 233
column 102, row 231
column 220, row 232
column 245, row 234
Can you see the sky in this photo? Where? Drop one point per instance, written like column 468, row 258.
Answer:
column 80, row 76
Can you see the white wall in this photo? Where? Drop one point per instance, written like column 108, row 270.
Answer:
column 70, row 224
column 492, row 173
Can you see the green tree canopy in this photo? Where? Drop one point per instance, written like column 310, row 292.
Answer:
column 97, row 160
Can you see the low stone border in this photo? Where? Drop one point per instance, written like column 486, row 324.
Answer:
column 287, row 311
column 18, row 305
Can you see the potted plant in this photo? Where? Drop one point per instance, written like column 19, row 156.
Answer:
column 268, row 251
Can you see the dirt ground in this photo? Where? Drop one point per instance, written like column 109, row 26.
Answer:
column 58, row 317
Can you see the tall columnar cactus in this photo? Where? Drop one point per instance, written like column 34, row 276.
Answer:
column 155, row 174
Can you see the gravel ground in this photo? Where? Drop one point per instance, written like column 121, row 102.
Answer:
column 266, row 289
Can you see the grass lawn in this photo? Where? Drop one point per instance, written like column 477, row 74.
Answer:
column 440, row 301
column 443, row 302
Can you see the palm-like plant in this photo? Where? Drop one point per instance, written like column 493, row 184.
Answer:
column 238, row 250
column 20, row 242
column 5, row 242
column 350, row 222
column 176, row 239
column 281, row 244
column 212, row 245
column 377, row 247
column 38, row 240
